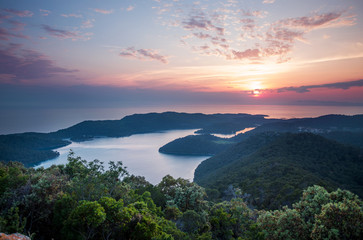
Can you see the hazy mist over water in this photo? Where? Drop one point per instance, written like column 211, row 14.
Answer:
column 139, row 153
column 18, row 120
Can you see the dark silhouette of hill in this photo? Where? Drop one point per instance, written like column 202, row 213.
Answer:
column 152, row 122
column 204, row 144
column 29, row 148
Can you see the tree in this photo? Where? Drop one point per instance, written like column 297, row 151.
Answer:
column 86, row 217
column 193, row 222
column 232, row 220
column 342, row 220
column 318, row 215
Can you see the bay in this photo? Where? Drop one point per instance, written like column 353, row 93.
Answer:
column 139, row 153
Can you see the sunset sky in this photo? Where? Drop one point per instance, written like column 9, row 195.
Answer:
column 136, row 51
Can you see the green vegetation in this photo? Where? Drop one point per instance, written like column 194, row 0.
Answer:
column 267, row 169
column 196, row 145
column 318, row 215
column 29, row 148
column 82, row 200
column 344, row 129
column 273, row 172
column 341, row 128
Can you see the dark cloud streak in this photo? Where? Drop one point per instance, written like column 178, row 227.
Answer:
column 59, row 33
column 18, row 13
column 143, row 54
column 28, row 65
column 337, row 85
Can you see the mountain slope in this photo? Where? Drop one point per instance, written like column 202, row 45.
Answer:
column 196, row 145
column 276, row 173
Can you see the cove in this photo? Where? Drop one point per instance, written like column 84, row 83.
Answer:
column 139, row 153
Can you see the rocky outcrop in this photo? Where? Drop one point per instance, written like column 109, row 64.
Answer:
column 14, row 236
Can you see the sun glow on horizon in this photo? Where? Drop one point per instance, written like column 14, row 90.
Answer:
column 256, row 93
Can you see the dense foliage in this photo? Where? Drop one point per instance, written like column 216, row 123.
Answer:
column 29, row 148
column 82, row 200
column 318, row 215
column 275, row 174
column 197, row 145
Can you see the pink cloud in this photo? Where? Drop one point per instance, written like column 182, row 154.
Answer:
column 18, row 13
column 130, row 8
column 249, row 53
column 44, row 12
column 5, row 35
column 201, row 22
column 27, row 65
column 317, row 21
column 64, row 34
column 16, row 25
column 88, row 23
column 103, row 11
column 143, row 54
column 237, row 33
column 282, row 34
column 201, row 35
column 248, row 13
column 72, row 15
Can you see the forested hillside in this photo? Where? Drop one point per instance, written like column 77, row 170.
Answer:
column 82, row 200
column 344, row 129
column 275, row 173
column 204, row 145
column 29, row 148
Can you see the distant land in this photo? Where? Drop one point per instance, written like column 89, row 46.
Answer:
column 33, row 148
column 341, row 128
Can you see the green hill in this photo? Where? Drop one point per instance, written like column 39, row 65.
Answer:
column 342, row 128
column 275, row 172
column 29, row 148
column 204, row 144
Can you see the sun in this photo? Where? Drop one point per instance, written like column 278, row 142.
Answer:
column 256, row 92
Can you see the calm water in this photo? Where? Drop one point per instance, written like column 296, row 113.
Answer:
column 47, row 120
column 138, row 152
